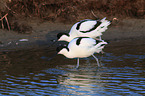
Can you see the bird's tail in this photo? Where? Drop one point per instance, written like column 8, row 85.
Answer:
column 103, row 26
column 100, row 46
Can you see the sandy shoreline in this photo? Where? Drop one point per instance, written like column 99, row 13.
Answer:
column 44, row 32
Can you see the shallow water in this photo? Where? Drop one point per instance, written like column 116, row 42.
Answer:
column 32, row 72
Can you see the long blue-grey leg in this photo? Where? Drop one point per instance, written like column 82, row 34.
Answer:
column 96, row 60
column 100, row 38
column 77, row 63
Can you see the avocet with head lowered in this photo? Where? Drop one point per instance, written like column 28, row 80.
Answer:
column 82, row 47
column 85, row 28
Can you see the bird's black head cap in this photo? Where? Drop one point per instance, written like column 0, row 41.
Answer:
column 60, row 34
column 61, row 47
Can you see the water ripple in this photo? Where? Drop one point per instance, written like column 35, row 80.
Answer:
column 120, row 74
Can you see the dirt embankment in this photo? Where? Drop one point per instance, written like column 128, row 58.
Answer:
column 40, row 20
column 67, row 11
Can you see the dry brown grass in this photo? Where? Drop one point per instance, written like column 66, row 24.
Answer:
column 72, row 10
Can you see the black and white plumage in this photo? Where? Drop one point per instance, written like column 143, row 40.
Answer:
column 85, row 28
column 82, row 47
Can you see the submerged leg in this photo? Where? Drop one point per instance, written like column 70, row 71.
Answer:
column 102, row 52
column 96, row 60
column 77, row 63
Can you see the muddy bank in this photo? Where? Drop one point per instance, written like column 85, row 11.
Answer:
column 44, row 32
column 13, row 12
column 34, row 23
column 126, row 29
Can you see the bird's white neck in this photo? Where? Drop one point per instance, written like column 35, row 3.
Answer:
column 66, row 53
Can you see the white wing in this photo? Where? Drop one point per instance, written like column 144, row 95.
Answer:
column 87, row 25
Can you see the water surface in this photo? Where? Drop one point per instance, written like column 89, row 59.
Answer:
column 32, row 72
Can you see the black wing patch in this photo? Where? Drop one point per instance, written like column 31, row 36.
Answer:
column 79, row 24
column 98, row 41
column 95, row 26
column 102, row 44
column 79, row 40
